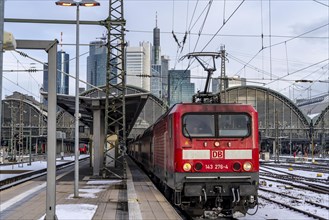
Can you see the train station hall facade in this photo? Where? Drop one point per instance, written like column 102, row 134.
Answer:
column 24, row 120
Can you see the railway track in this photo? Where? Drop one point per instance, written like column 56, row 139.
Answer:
column 293, row 208
column 10, row 182
column 301, row 185
column 320, row 168
column 310, row 182
column 296, row 198
column 295, row 178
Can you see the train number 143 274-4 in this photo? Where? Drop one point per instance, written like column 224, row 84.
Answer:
column 216, row 166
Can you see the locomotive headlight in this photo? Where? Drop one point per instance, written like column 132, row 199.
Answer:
column 187, row 167
column 247, row 166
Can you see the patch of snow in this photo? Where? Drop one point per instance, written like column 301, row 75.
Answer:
column 74, row 212
column 103, row 182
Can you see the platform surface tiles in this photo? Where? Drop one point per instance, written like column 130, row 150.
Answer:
column 133, row 197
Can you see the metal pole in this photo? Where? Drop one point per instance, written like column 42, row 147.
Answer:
column 313, row 160
column 30, row 140
column 2, row 12
column 76, row 139
column 62, row 148
column 312, row 139
column 51, row 133
column 30, row 148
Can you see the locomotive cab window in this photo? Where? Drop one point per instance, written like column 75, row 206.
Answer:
column 235, row 125
column 198, row 125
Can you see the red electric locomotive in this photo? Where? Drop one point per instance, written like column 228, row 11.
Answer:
column 205, row 156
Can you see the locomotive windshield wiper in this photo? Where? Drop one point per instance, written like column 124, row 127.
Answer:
column 185, row 129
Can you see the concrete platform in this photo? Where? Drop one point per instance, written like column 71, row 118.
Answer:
column 132, row 198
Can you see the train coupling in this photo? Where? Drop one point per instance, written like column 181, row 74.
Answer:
column 235, row 195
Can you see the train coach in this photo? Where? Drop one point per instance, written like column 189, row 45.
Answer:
column 205, row 157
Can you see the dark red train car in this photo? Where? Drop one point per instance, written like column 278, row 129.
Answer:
column 205, row 157
column 83, row 148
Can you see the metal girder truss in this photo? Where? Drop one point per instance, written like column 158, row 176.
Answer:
column 115, row 121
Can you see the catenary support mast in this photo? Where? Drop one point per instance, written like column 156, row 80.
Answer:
column 115, row 121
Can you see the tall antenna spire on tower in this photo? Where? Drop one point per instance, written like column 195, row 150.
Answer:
column 61, row 41
column 156, row 19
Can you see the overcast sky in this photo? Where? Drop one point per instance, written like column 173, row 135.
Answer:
column 297, row 30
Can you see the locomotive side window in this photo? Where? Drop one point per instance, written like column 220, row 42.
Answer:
column 235, row 125
column 198, row 125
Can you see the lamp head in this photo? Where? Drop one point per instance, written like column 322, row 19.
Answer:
column 66, row 3
column 89, row 3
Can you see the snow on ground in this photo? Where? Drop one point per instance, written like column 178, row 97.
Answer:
column 103, row 182
column 70, row 211
column 35, row 165
column 301, row 173
column 94, row 187
column 265, row 210
column 74, row 212
column 268, row 210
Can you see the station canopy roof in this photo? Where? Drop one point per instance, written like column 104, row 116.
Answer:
column 134, row 105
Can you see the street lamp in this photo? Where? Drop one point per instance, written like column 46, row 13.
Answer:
column 86, row 3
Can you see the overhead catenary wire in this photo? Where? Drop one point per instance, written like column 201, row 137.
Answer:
column 321, row 3
column 24, row 67
column 15, row 83
column 313, row 81
column 247, row 64
column 281, row 43
column 208, row 6
column 203, row 23
column 43, row 63
column 263, row 37
column 214, row 35
column 297, row 71
column 227, row 35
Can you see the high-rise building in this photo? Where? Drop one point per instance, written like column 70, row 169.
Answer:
column 234, row 81
column 62, row 65
column 156, row 80
column 156, row 49
column 156, row 74
column 180, row 87
column 164, row 77
column 97, row 64
column 138, row 65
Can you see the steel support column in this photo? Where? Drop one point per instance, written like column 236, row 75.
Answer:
column 98, row 137
column 51, row 48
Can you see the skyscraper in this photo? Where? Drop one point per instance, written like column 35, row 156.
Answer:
column 156, row 80
column 96, row 64
column 156, row 50
column 180, row 87
column 62, row 65
column 138, row 65
column 234, row 81
column 164, row 77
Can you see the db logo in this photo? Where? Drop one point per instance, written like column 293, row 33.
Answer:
column 217, row 154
